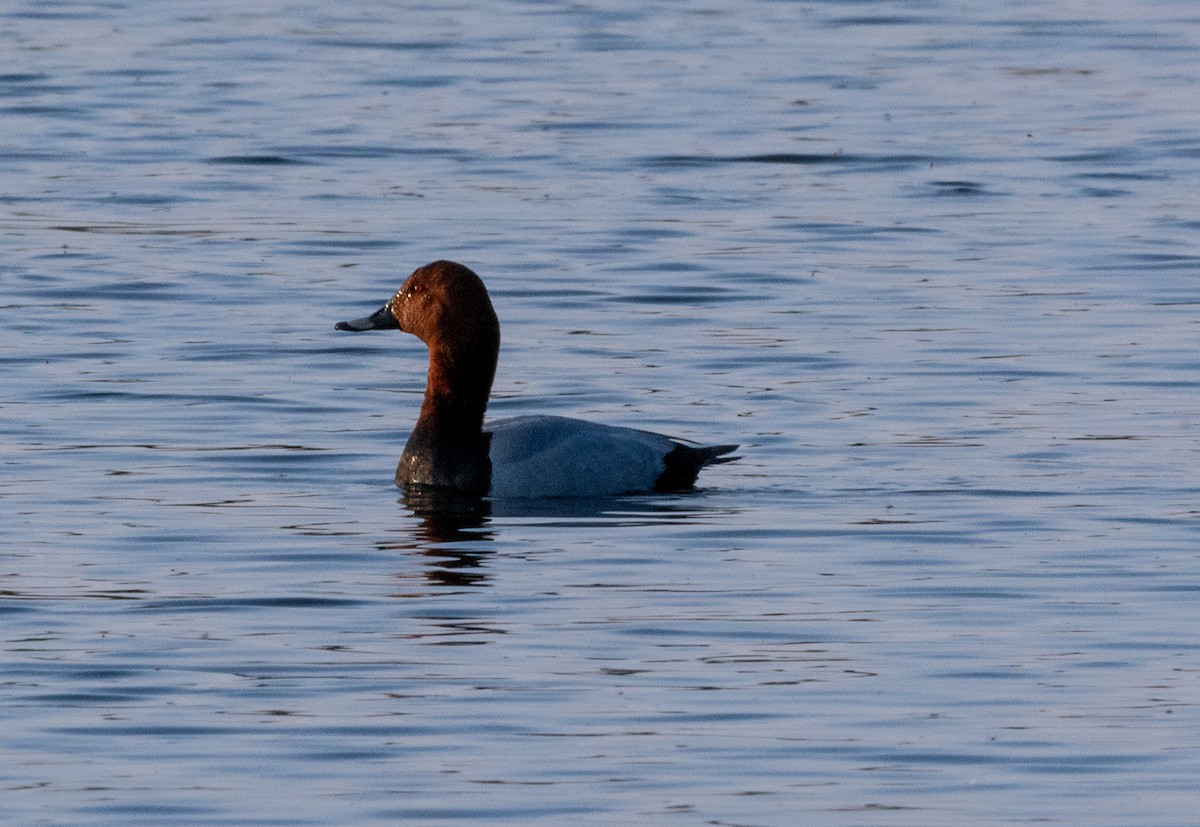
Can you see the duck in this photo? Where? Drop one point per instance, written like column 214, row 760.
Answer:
column 451, row 447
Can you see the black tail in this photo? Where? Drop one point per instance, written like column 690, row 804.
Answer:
column 683, row 463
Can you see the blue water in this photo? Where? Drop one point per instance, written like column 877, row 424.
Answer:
column 933, row 264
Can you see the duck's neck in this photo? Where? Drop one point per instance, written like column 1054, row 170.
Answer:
column 457, row 390
column 447, row 448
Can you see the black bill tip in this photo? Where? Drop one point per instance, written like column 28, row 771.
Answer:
column 381, row 319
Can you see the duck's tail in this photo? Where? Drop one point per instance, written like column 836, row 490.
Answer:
column 682, row 464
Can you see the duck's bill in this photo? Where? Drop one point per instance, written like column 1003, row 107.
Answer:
column 381, row 319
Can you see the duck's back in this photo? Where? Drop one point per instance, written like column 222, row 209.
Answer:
column 554, row 456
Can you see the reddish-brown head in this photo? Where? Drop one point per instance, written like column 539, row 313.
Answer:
column 446, row 306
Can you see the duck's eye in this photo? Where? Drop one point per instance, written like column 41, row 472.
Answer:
column 416, row 288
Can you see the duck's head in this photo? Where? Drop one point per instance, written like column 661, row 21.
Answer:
column 443, row 304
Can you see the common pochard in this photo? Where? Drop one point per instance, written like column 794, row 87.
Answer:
column 446, row 306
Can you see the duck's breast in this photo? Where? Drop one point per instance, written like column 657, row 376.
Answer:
column 554, row 456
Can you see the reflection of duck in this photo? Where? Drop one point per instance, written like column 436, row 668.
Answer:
column 452, row 535
column 448, row 516
column 447, row 306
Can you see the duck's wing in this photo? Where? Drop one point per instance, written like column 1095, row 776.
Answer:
column 554, row 456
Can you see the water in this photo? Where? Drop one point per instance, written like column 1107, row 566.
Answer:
column 934, row 266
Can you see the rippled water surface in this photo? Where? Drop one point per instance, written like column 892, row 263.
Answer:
column 933, row 264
